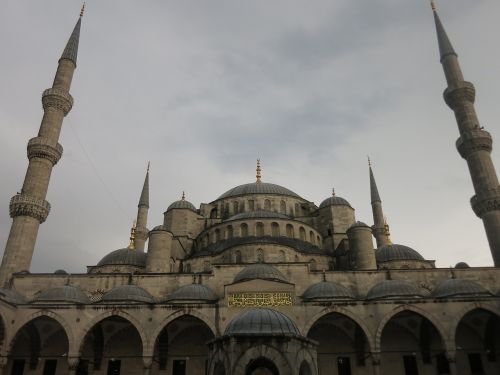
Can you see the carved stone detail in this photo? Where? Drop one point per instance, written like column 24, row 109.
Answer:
column 457, row 96
column 40, row 147
column 24, row 205
column 474, row 140
column 486, row 201
column 57, row 98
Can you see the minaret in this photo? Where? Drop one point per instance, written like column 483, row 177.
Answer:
column 141, row 232
column 378, row 228
column 258, row 171
column 474, row 143
column 29, row 208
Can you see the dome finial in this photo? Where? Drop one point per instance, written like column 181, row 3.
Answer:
column 433, row 6
column 183, row 198
column 333, row 192
column 369, row 161
column 387, row 232
column 132, row 236
column 83, row 9
column 258, row 172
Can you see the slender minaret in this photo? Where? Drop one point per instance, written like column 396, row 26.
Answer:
column 29, row 208
column 258, row 171
column 378, row 228
column 474, row 143
column 141, row 232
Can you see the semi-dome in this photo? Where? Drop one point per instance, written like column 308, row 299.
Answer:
column 459, row 288
column 193, row 292
column 327, row 290
column 182, row 204
column 260, row 271
column 258, row 188
column 394, row 289
column 60, row 272
column 462, row 265
column 396, row 252
column 359, row 224
column 11, row 296
column 128, row 257
column 65, row 293
column 127, row 293
column 261, row 322
column 334, row 201
column 258, row 215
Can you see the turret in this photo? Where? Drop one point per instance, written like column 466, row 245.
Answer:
column 159, row 250
column 378, row 227
column 474, row 143
column 141, row 234
column 29, row 208
column 361, row 246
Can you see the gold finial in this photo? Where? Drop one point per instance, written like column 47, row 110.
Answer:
column 132, row 236
column 333, row 192
column 387, row 232
column 369, row 161
column 433, row 6
column 183, row 198
column 83, row 10
column 258, row 171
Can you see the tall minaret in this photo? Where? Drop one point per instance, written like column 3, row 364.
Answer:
column 474, row 143
column 378, row 227
column 141, row 232
column 29, row 208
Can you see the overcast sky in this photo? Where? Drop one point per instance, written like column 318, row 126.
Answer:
column 203, row 88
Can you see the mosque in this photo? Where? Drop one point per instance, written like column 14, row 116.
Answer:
column 258, row 281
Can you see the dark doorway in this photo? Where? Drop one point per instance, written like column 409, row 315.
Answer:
column 114, row 367
column 344, row 365
column 443, row 366
column 49, row 368
column 18, row 367
column 476, row 364
column 179, row 367
column 410, row 363
column 83, row 367
column 261, row 366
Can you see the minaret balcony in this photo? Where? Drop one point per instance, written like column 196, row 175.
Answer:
column 457, row 96
column 486, row 201
column 58, row 99
column 40, row 147
column 25, row 205
column 473, row 141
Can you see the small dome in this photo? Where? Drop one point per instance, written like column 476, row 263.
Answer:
column 459, row 288
column 258, row 188
column 327, row 290
column 159, row 227
column 127, row 293
column 129, row 257
column 182, row 204
column 258, row 215
column 193, row 292
column 11, row 296
column 261, row 321
column 359, row 224
column 65, row 293
column 396, row 252
column 462, row 265
column 259, row 271
column 60, row 272
column 394, row 289
column 334, row 201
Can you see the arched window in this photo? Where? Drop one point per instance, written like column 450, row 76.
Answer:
column 260, row 256
column 213, row 213
column 283, row 207
column 275, row 229
column 282, row 257
column 237, row 256
column 289, row 231
column 251, row 205
column 226, row 209
column 217, row 235
column 229, row 231
column 244, row 230
column 311, row 237
column 312, row 265
column 302, row 233
column 318, row 241
column 267, row 205
column 235, row 207
column 297, row 209
column 259, row 229
column 188, row 268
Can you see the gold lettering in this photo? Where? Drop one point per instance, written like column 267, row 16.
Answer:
column 260, row 299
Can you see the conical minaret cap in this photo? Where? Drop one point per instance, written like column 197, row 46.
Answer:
column 144, row 200
column 373, row 185
column 71, row 50
column 445, row 47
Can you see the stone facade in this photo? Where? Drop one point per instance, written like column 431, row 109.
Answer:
column 257, row 281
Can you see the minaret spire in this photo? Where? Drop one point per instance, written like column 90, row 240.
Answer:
column 29, row 208
column 378, row 227
column 141, row 230
column 474, row 143
column 258, row 170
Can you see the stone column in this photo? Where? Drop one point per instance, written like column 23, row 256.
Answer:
column 376, row 363
column 451, row 356
column 147, row 364
column 3, row 364
column 73, row 363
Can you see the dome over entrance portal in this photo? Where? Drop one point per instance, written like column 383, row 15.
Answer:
column 260, row 322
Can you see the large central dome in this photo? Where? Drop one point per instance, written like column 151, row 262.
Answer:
column 258, row 188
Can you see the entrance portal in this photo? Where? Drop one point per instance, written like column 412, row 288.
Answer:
column 261, row 366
